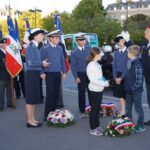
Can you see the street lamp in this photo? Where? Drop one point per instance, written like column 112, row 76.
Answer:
column 127, row 12
column 34, row 11
column 18, row 12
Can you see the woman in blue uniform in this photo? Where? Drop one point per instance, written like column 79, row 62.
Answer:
column 119, row 71
column 33, row 74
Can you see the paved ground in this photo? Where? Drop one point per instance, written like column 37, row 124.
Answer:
column 15, row 136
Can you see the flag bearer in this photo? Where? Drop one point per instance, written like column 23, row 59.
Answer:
column 5, row 77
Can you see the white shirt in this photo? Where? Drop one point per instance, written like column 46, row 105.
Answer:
column 36, row 44
column 80, row 48
column 54, row 46
column 122, row 50
column 95, row 75
column 3, row 51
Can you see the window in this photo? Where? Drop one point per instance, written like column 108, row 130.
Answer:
column 68, row 42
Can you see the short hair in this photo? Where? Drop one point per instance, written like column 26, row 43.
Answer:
column 134, row 49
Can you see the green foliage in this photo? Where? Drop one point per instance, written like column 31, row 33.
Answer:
column 89, row 16
column 136, row 27
column 21, row 23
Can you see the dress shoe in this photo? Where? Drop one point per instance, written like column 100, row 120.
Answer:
column 39, row 124
column 32, row 126
column 147, row 123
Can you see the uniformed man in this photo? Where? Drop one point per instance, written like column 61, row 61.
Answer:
column 5, row 83
column 78, row 67
column 146, row 64
column 54, row 72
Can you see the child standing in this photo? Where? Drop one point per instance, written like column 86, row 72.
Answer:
column 96, row 87
column 134, row 87
column 119, row 71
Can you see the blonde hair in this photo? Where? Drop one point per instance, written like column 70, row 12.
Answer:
column 134, row 49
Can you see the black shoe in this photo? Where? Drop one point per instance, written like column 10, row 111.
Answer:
column 147, row 123
column 39, row 124
column 44, row 119
column 32, row 126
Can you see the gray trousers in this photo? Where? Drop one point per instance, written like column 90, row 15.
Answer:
column 5, row 86
column 148, row 93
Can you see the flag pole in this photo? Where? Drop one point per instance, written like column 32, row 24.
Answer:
column 12, row 93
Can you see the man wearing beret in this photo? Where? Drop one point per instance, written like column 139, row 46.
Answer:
column 5, row 83
column 54, row 72
column 146, row 64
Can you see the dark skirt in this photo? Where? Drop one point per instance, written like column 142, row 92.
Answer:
column 32, row 87
column 119, row 90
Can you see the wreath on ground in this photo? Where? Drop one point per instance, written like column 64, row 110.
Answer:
column 106, row 110
column 60, row 118
column 120, row 127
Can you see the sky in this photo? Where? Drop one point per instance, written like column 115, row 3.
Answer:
column 47, row 5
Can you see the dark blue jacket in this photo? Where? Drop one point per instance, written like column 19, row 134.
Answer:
column 33, row 58
column 134, row 78
column 146, row 62
column 4, row 75
column 55, row 57
column 79, row 60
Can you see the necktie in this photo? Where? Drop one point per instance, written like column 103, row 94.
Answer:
column 82, row 49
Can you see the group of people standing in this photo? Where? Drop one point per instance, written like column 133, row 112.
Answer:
column 48, row 63
column 45, row 60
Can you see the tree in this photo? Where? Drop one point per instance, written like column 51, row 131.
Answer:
column 21, row 23
column 136, row 27
column 90, row 16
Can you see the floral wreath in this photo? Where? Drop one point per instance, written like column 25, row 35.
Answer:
column 106, row 110
column 120, row 127
column 60, row 118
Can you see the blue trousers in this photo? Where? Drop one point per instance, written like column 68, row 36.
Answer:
column 136, row 99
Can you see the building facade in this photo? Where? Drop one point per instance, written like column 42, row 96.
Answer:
column 121, row 10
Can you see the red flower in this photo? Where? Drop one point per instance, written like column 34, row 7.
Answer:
column 63, row 115
column 59, row 120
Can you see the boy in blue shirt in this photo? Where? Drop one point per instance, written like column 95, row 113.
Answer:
column 134, row 86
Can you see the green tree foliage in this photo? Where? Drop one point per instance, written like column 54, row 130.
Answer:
column 136, row 27
column 90, row 16
column 21, row 22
